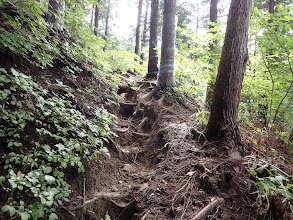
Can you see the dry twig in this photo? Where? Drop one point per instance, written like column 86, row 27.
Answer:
column 206, row 210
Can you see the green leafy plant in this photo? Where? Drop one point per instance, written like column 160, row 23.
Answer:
column 201, row 117
column 274, row 184
column 60, row 137
column 107, row 217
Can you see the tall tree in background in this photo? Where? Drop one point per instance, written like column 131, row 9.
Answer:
column 97, row 17
column 271, row 6
column 263, row 103
column 222, row 125
column 153, row 52
column 55, row 14
column 107, row 24
column 137, row 35
column 166, row 74
column 144, row 38
column 212, row 46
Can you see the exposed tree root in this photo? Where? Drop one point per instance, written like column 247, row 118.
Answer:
column 145, row 98
column 144, row 217
column 116, row 148
column 161, row 100
column 182, row 102
column 140, row 127
column 199, row 134
column 151, row 82
column 206, row 210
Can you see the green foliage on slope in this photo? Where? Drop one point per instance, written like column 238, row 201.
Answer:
column 43, row 134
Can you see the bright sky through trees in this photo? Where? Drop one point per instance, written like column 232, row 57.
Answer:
column 126, row 15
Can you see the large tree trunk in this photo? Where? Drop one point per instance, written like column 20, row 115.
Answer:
column 166, row 74
column 222, row 125
column 97, row 17
column 153, row 52
column 212, row 46
column 55, row 14
column 137, row 36
column 144, row 40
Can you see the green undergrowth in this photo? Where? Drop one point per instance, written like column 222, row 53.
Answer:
column 274, row 184
column 41, row 135
column 25, row 32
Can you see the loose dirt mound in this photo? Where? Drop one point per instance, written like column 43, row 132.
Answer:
column 162, row 167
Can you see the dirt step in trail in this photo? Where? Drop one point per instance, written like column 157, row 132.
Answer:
column 162, row 167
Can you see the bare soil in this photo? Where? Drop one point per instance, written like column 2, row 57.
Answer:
column 162, row 166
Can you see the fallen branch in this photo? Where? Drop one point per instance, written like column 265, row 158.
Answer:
column 121, row 129
column 206, row 210
column 71, row 213
column 100, row 195
column 141, row 134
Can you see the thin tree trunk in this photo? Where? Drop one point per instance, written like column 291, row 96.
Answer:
column 97, row 17
column 263, row 108
column 197, row 18
column 271, row 6
column 107, row 25
column 137, row 36
column 143, row 41
column 92, row 15
column 153, row 52
column 212, row 46
column 222, row 125
column 166, row 74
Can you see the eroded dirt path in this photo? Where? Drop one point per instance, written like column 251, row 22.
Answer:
column 161, row 166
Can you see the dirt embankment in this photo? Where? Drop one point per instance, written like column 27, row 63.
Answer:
column 162, row 167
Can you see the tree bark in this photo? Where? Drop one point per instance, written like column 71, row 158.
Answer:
column 153, row 52
column 137, row 36
column 223, row 125
column 212, row 46
column 143, row 40
column 166, row 74
column 272, row 6
column 97, row 17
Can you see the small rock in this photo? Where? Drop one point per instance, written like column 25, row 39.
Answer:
column 129, row 168
column 115, row 189
column 143, row 187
